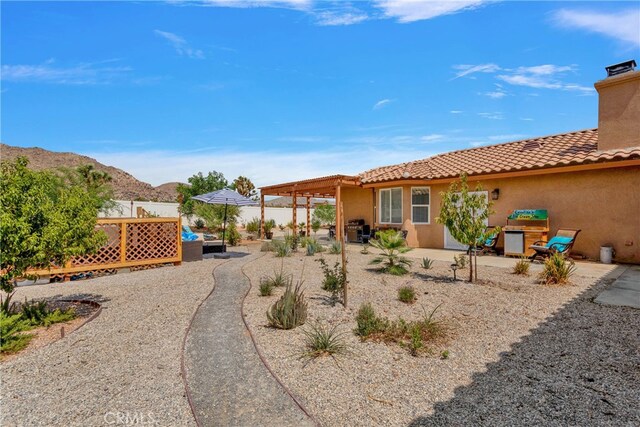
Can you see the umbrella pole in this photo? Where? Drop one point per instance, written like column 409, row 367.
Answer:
column 224, row 227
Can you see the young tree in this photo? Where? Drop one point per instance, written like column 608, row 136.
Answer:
column 464, row 214
column 200, row 184
column 97, row 183
column 244, row 186
column 326, row 214
column 42, row 221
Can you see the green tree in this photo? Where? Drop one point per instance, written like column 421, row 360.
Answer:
column 199, row 184
column 42, row 221
column 326, row 214
column 465, row 214
column 244, row 186
column 213, row 215
column 97, row 183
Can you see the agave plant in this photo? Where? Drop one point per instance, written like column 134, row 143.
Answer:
column 290, row 310
column 392, row 245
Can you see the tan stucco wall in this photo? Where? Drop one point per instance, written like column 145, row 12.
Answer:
column 618, row 111
column 358, row 204
column 604, row 203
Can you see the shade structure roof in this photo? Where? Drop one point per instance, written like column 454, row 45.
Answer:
column 324, row 186
column 225, row 197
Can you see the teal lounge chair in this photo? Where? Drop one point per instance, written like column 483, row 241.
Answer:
column 562, row 243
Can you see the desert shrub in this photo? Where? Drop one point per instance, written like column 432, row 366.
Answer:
column 557, row 270
column 392, row 245
column 281, row 227
column 253, row 226
column 335, row 247
column 199, row 223
column 444, row 355
column 334, row 279
column 427, row 263
column 290, row 310
column 37, row 313
column 267, row 247
column 407, row 294
column 281, row 248
column 312, row 246
column 266, row 288
column 368, row 322
column 322, row 340
column 232, row 235
column 292, row 240
column 522, row 267
column 59, row 316
column 460, row 260
column 6, row 306
column 11, row 337
column 34, row 312
column 413, row 335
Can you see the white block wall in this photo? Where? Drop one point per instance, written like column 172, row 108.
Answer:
column 247, row 213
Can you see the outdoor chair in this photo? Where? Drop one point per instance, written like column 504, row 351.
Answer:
column 187, row 234
column 487, row 246
column 561, row 243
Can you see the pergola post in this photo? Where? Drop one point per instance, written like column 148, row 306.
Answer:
column 339, row 226
column 308, row 216
column 294, row 197
column 262, row 216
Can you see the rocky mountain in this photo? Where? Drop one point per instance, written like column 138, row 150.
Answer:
column 125, row 186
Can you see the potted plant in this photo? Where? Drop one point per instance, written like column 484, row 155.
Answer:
column 269, row 225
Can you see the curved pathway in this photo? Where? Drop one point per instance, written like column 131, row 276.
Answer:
column 227, row 382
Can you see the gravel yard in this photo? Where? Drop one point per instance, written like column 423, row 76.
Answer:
column 519, row 352
column 125, row 363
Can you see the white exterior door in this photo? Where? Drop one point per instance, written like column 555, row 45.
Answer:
column 449, row 241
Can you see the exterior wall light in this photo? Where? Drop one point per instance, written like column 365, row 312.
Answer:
column 495, row 194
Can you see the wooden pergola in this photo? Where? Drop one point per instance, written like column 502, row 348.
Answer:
column 324, row 187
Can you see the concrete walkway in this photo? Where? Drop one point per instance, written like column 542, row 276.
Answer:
column 625, row 291
column 227, row 381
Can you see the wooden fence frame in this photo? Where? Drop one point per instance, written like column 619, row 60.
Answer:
column 70, row 268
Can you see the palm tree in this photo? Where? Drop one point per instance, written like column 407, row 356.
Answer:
column 392, row 245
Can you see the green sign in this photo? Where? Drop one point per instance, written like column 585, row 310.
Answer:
column 529, row 215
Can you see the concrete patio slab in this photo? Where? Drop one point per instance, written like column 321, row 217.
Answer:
column 625, row 291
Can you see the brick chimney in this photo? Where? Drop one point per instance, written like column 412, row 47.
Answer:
column 619, row 107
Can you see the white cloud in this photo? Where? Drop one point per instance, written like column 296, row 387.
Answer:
column 289, row 4
column 431, row 138
column 331, row 18
column 180, row 45
column 456, row 112
column 526, row 119
column 80, row 74
column 623, row 25
column 417, row 10
column 380, row 104
column 466, row 69
column 545, row 76
column 150, row 166
column 498, row 115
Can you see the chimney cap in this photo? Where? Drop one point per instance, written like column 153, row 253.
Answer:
column 622, row 67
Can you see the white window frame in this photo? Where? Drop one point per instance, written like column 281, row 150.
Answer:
column 390, row 204
column 428, row 206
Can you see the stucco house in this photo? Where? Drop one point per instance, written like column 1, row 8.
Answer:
column 587, row 179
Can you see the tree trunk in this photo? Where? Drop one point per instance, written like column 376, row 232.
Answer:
column 475, row 271
column 470, row 265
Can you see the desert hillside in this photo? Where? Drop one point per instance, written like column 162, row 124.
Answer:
column 125, row 185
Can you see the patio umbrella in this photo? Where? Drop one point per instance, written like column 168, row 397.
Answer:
column 225, row 197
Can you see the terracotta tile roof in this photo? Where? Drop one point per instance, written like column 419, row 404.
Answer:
column 565, row 149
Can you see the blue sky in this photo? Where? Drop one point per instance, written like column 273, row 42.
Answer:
column 286, row 90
